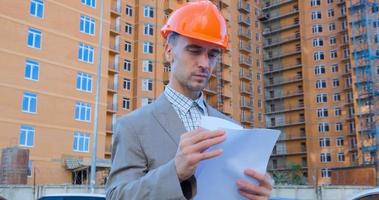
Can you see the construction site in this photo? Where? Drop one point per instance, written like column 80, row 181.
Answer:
column 307, row 68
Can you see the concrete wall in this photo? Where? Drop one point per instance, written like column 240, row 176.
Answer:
column 28, row 192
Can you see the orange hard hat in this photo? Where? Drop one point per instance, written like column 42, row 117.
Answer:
column 199, row 20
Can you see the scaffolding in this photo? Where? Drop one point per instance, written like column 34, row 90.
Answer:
column 364, row 22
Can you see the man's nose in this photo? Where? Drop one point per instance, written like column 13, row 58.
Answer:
column 204, row 60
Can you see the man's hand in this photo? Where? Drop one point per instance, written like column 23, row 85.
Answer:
column 192, row 148
column 251, row 191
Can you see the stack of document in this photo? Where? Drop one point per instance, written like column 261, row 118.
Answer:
column 243, row 149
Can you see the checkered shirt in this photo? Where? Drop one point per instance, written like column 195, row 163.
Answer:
column 189, row 111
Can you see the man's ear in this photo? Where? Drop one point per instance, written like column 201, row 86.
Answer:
column 168, row 53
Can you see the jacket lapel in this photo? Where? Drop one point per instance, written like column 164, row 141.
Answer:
column 167, row 117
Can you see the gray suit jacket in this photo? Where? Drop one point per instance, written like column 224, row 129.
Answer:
column 144, row 147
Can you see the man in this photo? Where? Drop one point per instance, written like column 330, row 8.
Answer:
column 156, row 148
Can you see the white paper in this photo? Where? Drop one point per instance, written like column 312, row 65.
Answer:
column 243, row 148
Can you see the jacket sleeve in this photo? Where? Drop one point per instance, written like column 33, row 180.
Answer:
column 130, row 177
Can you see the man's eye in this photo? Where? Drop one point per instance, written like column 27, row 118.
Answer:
column 194, row 51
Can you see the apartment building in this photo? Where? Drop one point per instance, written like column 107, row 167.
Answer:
column 49, row 55
column 310, row 85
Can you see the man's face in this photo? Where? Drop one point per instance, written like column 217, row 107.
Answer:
column 192, row 62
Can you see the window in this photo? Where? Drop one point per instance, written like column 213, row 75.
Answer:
column 340, row 157
column 30, row 168
column 324, row 142
column 319, row 55
column 126, row 84
column 148, row 11
column 147, row 47
column 29, row 102
column 129, row 11
column 145, row 101
column 339, row 141
column 322, row 98
column 85, row 53
column 36, row 8
column 375, row 24
column 330, row 1
column 323, row 127
column 34, row 38
column 87, row 24
column 319, row 69
column 83, row 111
column 128, row 28
column 26, row 136
column 339, row 126
column 81, row 142
column 376, row 38
column 84, row 82
column 331, row 13
column 125, row 103
column 335, row 68
column 147, row 66
column 147, row 85
column 316, row 15
column 320, row 84
column 322, row 112
column 337, row 97
column 332, row 26
column 127, row 65
column 318, row 42
column 337, row 111
column 31, row 70
column 332, row 40
column 325, row 157
column 128, row 46
column 148, row 29
column 325, row 172
column 333, row 54
column 336, row 83
column 315, row 3
column 317, row 28
column 90, row 3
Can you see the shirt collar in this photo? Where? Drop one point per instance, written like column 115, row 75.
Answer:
column 182, row 102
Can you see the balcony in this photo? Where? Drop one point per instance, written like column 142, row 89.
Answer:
column 246, row 61
column 287, row 94
column 275, row 3
column 280, row 41
column 245, row 33
column 284, row 167
column 281, row 68
column 111, row 108
column 114, row 48
column 247, row 119
column 370, row 148
column 226, row 76
column 112, row 88
column 247, row 104
column 115, row 29
column 272, row 30
column 113, row 68
column 245, row 47
column 300, row 136
column 109, row 128
column 285, row 123
column 108, row 150
column 245, row 74
column 116, row 10
column 211, row 89
column 276, row 16
column 244, row 20
column 283, row 109
column 243, row 6
column 226, row 60
column 280, row 82
column 246, row 90
column 294, row 152
column 281, row 55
